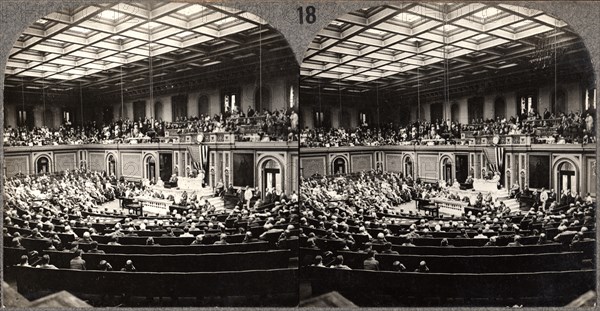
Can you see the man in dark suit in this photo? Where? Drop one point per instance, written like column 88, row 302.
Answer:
column 94, row 248
column 45, row 263
column 222, row 240
column 340, row 263
column 516, row 243
column 387, row 249
column 371, row 263
column 129, row 266
column 422, row 267
column 547, row 113
column 77, row 263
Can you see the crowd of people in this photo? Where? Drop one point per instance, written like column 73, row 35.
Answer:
column 576, row 128
column 279, row 125
column 51, row 206
column 331, row 206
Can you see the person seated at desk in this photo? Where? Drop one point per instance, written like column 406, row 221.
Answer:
column 45, row 263
column 248, row 238
column 318, row 261
column 173, row 181
column 371, row 263
column 398, row 266
column 219, row 189
column 94, row 248
column 77, row 263
column 231, row 190
column 340, row 263
column 198, row 240
column 114, row 240
column 515, row 191
column 445, row 243
column 409, row 242
column 222, row 240
column 129, row 267
column 24, row 261
column 491, row 242
column 184, row 199
column 169, row 233
column 516, row 242
column 387, row 249
column 422, row 267
column 105, row 266
column 469, row 181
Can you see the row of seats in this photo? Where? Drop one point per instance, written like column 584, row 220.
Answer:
column 34, row 283
column 368, row 287
column 234, row 261
column 474, row 263
column 38, row 244
column 586, row 247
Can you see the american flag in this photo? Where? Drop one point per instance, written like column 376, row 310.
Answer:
column 499, row 152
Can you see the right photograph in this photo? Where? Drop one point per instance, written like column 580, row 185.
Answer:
column 447, row 158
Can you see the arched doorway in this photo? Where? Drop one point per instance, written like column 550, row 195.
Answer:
column 272, row 175
column 567, row 177
column 111, row 165
column 339, row 166
column 462, row 167
column 408, row 167
column 42, row 165
column 447, row 171
column 150, row 168
column 262, row 98
column 500, row 108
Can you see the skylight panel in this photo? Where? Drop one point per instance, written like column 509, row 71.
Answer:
column 184, row 34
column 110, row 15
column 375, row 32
column 480, row 37
column 191, row 10
column 81, row 30
column 150, row 25
column 225, row 21
column 406, row 17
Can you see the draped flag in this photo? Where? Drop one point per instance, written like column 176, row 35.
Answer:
column 203, row 154
column 196, row 166
column 499, row 151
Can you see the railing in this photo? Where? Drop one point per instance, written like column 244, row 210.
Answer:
column 154, row 205
column 456, row 208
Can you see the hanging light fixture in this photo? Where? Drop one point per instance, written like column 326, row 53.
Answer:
column 555, row 77
column 44, row 100
column 81, row 104
column 319, row 115
column 378, row 116
column 446, row 69
column 23, row 114
column 150, row 69
column 260, row 65
column 121, row 84
column 341, row 116
column 418, row 86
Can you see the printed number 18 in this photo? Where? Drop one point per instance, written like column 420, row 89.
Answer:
column 311, row 17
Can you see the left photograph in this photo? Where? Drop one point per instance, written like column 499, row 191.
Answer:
column 150, row 159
